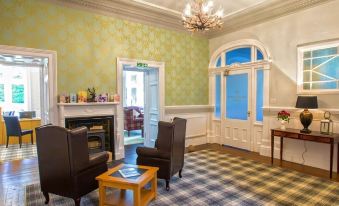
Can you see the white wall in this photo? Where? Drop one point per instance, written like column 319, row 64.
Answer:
column 281, row 38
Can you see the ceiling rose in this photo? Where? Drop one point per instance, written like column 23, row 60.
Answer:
column 199, row 15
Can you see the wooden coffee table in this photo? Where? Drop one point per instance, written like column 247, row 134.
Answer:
column 128, row 191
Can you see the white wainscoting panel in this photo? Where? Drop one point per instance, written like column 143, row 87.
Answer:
column 198, row 121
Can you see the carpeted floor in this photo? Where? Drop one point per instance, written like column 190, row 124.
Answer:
column 214, row 178
column 14, row 152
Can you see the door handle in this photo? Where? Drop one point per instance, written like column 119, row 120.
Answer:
column 248, row 113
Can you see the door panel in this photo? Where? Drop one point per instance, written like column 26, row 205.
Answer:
column 237, row 96
column 152, row 113
column 236, row 121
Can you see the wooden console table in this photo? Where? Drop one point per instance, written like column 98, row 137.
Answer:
column 313, row 137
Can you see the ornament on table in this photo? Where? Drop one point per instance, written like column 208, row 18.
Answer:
column 103, row 97
column 73, row 98
column 116, row 98
column 62, row 98
column 82, row 96
column 92, row 95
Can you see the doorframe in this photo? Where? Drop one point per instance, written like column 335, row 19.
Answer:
column 120, row 109
column 256, row 128
column 52, row 73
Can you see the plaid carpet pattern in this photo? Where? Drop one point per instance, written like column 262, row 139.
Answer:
column 14, row 152
column 214, row 178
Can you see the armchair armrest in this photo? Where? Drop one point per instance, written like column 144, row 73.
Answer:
column 98, row 158
column 152, row 152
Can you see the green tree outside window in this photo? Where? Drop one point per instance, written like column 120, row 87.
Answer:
column 18, row 93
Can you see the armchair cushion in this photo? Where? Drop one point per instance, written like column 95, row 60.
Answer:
column 153, row 153
column 98, row 158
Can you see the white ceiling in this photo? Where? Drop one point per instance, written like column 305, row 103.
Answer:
column 230, row 6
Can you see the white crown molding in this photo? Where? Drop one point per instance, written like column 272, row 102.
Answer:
column 264, row 12
column 150, row 14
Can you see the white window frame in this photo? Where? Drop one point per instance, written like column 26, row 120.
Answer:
column 309, row 47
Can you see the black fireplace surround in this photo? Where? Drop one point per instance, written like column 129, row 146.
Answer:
column 106, row 122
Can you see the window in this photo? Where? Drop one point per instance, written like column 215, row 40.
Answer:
column 134, row 78
column 18, row 93
column 259, row 55
column 260, row 96
column 319, row 68
column 239, row 55
column 217, row 111
column 2, row 93
column 20, row 89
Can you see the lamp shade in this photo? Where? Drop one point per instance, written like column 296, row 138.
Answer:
column 307, row 102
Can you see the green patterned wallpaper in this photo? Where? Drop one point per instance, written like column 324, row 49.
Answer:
column 88, row 44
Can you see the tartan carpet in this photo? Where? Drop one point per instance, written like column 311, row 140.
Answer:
column 14, row 152
column 215, row 178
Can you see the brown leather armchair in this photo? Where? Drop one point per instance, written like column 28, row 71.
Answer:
column 169, row 150
column 65, row 166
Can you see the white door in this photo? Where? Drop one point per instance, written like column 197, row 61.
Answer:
column 236, row 118
column 152, row 109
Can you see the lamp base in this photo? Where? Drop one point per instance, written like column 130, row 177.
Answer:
column 306, row 118
column 305, row 130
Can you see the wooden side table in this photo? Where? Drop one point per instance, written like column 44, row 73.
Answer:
column 129, row 191
column 313, row 137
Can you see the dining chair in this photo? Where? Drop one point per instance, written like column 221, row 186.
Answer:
column 13, row 129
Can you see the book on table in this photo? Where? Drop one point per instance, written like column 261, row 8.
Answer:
column 129, row 172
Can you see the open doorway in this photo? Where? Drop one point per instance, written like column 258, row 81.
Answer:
column 133, row 102
column 141, row 86
column 27, row 89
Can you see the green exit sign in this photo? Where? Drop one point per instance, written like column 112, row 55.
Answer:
column 140, row 64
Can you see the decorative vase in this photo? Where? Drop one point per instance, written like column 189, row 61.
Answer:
column 283, row 124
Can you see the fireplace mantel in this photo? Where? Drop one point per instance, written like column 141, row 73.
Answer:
column 69, row 110
column 73, row 110
column 88, row 104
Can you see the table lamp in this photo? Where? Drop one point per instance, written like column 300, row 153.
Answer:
column 306, row 117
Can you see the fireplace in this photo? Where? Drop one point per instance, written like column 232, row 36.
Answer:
column 97, row 126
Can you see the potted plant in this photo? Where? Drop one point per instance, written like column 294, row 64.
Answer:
column 284, row 117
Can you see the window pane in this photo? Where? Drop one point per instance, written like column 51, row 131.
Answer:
column 218, row 62
column 241, row 55
column 307, row 54
column 319, row 61
column 237, row 96
column 260, row 95
column 307, row 76
column 307, row 64
column 307, row 86
column 259, row 55
column 324, row 85
column 324, row 52
column 2, row 93
column 217, row 111
column 329, row 69
column 18, row 93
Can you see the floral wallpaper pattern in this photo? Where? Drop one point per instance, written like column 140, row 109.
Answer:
column 88, row 44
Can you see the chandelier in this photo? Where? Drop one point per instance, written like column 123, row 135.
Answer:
column 199, row 15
